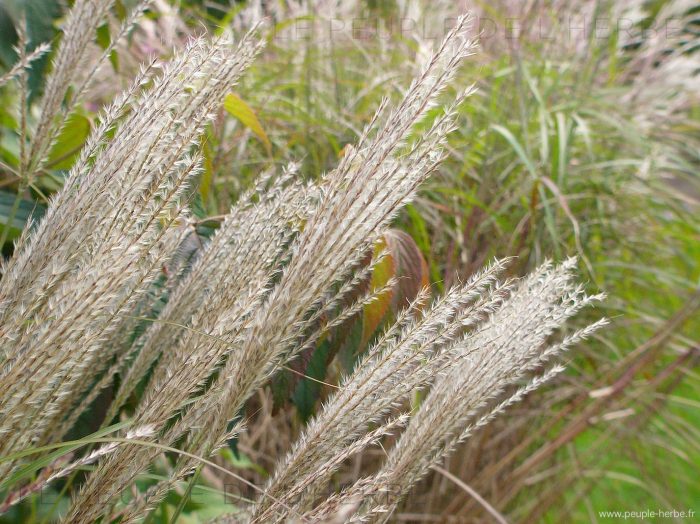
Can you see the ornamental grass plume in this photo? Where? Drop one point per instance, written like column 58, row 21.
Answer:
column 285, row 266
column 269, row 324
column 68, row 291
column 480, row 348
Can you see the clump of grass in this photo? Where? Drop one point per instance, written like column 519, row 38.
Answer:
column 271, row 282
column 576, row 141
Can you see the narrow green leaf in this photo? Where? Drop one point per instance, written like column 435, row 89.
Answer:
column 208, row 174
column 510, row 138
column 27, row 470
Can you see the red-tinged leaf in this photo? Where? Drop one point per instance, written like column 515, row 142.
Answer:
column 411, row 268
column 404, row 261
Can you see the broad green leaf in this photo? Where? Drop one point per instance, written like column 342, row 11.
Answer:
column 9, row 155
column 403, row 260
column 69, row 142
column 104, row 39
column 237, row 108
column 26, row 209
column 121, row 10
column 102, row 36
column 348, row 341
column 8, row 38
column 308, row 390
column 281, row 385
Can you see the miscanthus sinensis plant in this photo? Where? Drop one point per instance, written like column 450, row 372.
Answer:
column 283, row 269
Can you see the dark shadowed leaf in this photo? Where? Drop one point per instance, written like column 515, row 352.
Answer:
column 403, row 260
column 308, row 390
column 26, row 209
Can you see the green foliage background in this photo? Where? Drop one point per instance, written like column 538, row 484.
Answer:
column 548, row 162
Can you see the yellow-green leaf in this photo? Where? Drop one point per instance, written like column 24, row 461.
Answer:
column 237, row 108
column 376, row 311
column 69, row 142
column 208, row 174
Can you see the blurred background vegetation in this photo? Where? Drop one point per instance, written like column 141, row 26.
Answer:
column 583, row 138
